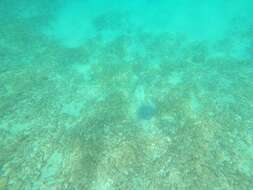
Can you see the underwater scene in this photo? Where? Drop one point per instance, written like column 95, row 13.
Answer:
column 126, row 95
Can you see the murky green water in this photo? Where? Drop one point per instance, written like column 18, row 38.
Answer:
column 118, row 95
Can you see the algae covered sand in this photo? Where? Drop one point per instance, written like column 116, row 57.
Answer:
column 106, row 95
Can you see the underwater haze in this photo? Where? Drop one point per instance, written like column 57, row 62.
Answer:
column 126, row 95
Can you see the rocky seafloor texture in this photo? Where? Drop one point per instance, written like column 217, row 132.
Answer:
column 139, row 111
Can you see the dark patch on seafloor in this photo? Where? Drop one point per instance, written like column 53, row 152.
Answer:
column 146, row 112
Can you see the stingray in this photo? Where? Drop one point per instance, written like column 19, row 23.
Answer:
column 146, row 112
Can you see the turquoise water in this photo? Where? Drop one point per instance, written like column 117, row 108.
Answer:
column 118, row 95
